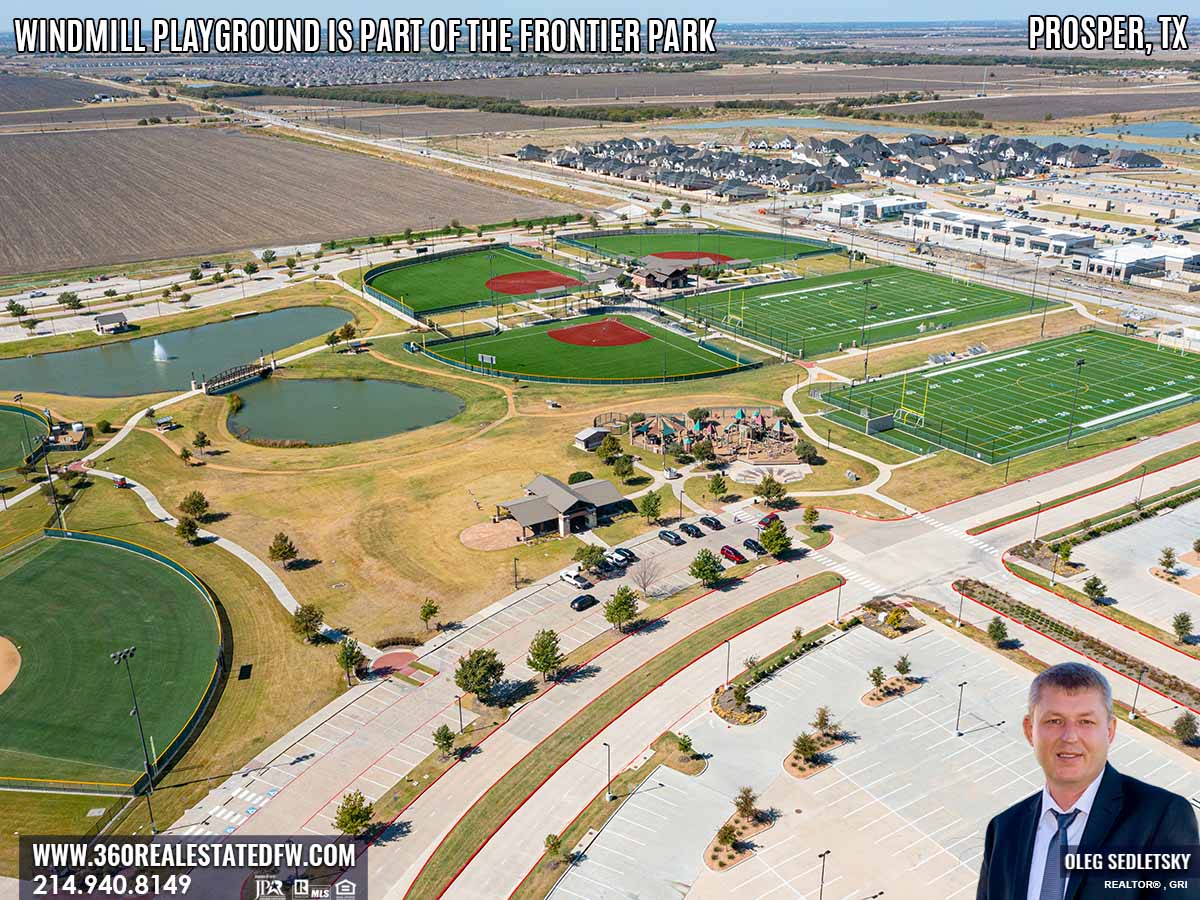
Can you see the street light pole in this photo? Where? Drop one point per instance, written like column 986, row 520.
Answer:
column 958, row 715
column 837, row 615
column 123, row 656
column 1035, row 522
column 728, row 652
column 961, row 598
column 821, row 856
column 608, row 794
column 1074, row 400
column 1136, row 691
column 1141, row 484
column 458, row 700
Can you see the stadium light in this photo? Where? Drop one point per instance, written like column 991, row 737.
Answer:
column 123, row 656
column 1074, row 399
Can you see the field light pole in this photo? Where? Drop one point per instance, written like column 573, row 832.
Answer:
column 1137, row 690
column 958, row 715
column 123, row 656
column 1074, row 400
column 608, row 794
column 821, row 856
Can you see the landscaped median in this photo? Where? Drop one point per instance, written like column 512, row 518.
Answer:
column 489, row 813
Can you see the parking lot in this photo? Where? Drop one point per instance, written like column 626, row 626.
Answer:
column 904, row 808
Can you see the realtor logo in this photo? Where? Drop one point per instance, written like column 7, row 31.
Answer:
column 266, row 888
column 300, row 889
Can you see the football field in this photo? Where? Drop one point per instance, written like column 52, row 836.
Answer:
column 487, row 276
column 722, row 246
column 862, row 307
column 1004, row 404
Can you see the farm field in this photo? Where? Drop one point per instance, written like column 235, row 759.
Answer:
column 1035, row 107
column 722, row 246
column 815, row 316
column 99, row 114
column 1006, row 404
column 67, row 605
column 420, row 122
column 471, row 278
column 65, row 198
column 600, row 348
column 47, row 91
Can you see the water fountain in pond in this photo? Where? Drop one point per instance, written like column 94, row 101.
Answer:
column 160, row 352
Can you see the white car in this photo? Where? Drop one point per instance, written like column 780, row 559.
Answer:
column 617, row 559
column 670, row 473
column 33, row 294
column 575, row 580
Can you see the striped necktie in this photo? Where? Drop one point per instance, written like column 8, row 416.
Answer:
column 1054, row 881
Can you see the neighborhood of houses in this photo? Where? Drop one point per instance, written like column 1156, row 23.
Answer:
column 814, row 165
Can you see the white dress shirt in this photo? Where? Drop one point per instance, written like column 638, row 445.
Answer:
column 1046, row 827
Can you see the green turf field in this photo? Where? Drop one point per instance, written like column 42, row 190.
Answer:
column 755, row 247
column 815, row 316
column 458, row 280
column 15, row 430
column 67, row 605
column 1002, row 405
column 530, row 351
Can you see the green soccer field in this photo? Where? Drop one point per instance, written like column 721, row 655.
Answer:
column 815, row 316
column 67, row 605
column 460, row 280
column 16, row 429
column 531, row 351
column 750, row 246
column 1005, row 404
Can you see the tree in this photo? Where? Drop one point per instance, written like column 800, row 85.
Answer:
column 70, row 300
column 823, row 721
column 706, row 568
column 741, row 694
column 479, row 672
column 545, row 656
column 666, row 204
column 704, row 451
column 1095, row 589
column 877, row 677
column 903, row 667
column 195, row 504
column 650, row 506
column 267, row 256
column 684, row 744
column 200, row 441
column 1167, row 560
column 805, row 747
column 282, row 550
column 429, row 609
column 622, row 467
column 609, row 448
column 811, row 516
column 186, row 455
column 621, row 608
column 349, row 656
column 1181, row 624
column 894, row 619
column 1186, row 728
column 554, row 847
column 347, row 332
column 576, row 477
column 718, row 486
column 194, row 275
column 290, row 262
column 806, row 452
column 589, row 557
column 685, row 208
column 331, row 339
column 16, row 310
column 443, row 739
column 645, row 575
column 250, row 268
column 187, row 529
column 307, row 619
column 103, row 426
column 746, row 803
column 997, row 631
column 771, row 490
column 726, row 835
column 775, row 538
column 699, row 413
column 354, row 814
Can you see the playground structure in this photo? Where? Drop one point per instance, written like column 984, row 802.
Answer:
column 737, row 433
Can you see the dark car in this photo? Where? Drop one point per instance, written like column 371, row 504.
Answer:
column 712, row 523
column 583, row 601
column 691, row 530
column 754, row 547
column 733, row 555
column 671, row 538
column 626, row 554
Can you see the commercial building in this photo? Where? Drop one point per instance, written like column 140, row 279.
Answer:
column 1016, row 233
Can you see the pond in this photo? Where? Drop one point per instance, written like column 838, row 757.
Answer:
column 315, row 411
column 1169, row 128
column 168, row 361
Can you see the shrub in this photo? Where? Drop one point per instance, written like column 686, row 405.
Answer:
column 576, row 477
column 103, row 426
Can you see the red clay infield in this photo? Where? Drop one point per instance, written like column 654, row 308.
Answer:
column 530, row 281
column 688, row 254
column 606, row 333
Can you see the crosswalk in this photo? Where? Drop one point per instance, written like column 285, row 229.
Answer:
column 956, row 532
column 848, row 572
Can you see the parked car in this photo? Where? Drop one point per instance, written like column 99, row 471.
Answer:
column 616, row 559
column 691, row 530
column 670, row 473
column 754, row 547
column 732, row 554
column 766, row 520
column 626, row 554
column 583, row 601
column 670, row 537
column 575, row 580
column 712, row 523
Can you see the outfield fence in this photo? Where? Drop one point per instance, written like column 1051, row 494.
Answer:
column 578, row 239
column 177, row 744
column 36, row 452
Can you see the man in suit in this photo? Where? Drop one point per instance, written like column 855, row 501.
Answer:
column 1086, row 804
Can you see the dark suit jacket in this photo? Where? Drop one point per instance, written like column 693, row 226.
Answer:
column 1126, row 813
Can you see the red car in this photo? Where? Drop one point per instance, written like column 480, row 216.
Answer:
column 732, row 554
column 766, row 520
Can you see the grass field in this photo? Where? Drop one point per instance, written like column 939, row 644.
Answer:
column 822, row 315
column 1004, row 405
column 750, row 246
column 532, row 351
column 16, row 430
column 67, row 605
column 459, row 280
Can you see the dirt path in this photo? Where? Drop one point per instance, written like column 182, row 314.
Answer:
column 10, row 663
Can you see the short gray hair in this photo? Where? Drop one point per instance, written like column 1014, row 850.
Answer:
column 1071, row 677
